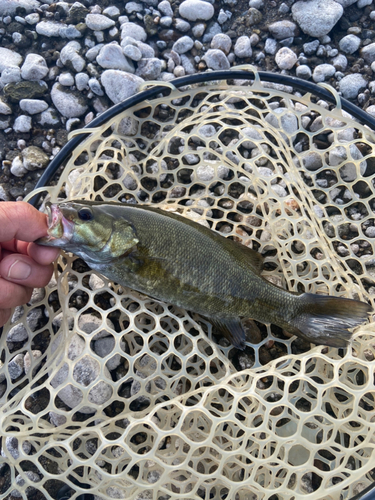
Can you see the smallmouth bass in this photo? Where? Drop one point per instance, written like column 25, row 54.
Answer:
column 178, row 261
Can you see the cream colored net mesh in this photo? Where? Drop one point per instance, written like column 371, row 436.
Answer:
column 137, row 399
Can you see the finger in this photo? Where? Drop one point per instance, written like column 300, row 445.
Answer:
column 12, row 294
column 15, row 246
column 42, row 255
column 4, row 316
column 21, row 221
column 24, row 270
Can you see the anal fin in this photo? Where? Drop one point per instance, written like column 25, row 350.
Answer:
column 232, row 330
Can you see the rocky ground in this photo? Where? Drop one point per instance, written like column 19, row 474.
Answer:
column 64, row 63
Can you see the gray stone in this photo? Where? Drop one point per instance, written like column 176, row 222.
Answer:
column 270, row 47
column 224, row 16
column 5, row 109
column 182, row 25
column 22, row 124
column 98, row 22
column 149, row 69
column 3, row 194
column 312, row 161
column 165, row 8
column 285, row 58
column 9, row 59
column 70, row 32
column 111, row 56
column 368, row 53
column 131, row 7
column 12, row 446
column 29, row 361
column 370, row 232
column 183, row 44
column 340, row 62
column 216, row 59
column 82, row 80
column 351, row 85
column 92, row 53
column 32, row 18
column 9, row 7
column 17, row 333
column 221, row 42
column 317, row 17
column 70, row 57
column 69, row 103
column 10, row 75
column 15, row 366
column 49, row 28
column 287, row 121
column 66, row 79
column 34, row 158
column 194, row 10
column 198, row 30
column 242, row 48
column 303, row 72
column 349, row 44
column 57, row 419
column 95, row 87
column 213, row 30
column 33, row 106
column 283, row 29
column 311, row 47
column 105, row 346
column 119, row 85
column 363, row 3
column 133, row 30
column 322, row 72
column 132, row 52
column 346, row 3
column 48, row 118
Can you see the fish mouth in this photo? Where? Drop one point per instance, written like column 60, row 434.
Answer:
column 60, row 230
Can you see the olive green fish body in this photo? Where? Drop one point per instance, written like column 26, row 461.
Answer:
column 181, row 262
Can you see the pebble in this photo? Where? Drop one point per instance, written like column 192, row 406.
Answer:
column 119, row 85
column 95, row 87
column 17, row 169
column 349, row 44
column 131, row 7
column 32, row 18
column 221, row 42
column 11, row 444
column 98, row 22
column 69, row 103
column 340, row 62
column 22, row 124
column 285, row 58
column 111, row 56
column 317, row 17
column 322, row 72
column 370, row 232
column 133, row 30
column 17, row 333
column 66, row 79
column 28, row 361
column 270, row 46
column 132, row 52
column 351, row 85
column 198, row 30
column 16, row 366
column 287, row 120
column 34, row 158
column 9, row 59
column 283, row 29
column 368, row 53
column 183, row 44
column 82, row 80
column 194, row 10
column 303, row 71
column 49, row 118
column 105, row 346
column 71, row 58
column 182, row 25
column 10, row 75
column 242, row 47
column 49, row 28
column 149, row 69
column 5, row 109
column 216, row 59
column 165, row 8
column 311, row 47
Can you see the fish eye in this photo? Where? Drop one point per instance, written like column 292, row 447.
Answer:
column 85, row 214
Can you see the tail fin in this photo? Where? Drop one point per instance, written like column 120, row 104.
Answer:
column 328, row 320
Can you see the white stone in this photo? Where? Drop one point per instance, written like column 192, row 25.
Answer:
column 221, row 42
column 34, row 68
column 322, row 72
column 49, row 28
column 66, row 79
column 10, row 6
column 49, row 117
column 10, row 75
column 303, row 71
column 183, row 44
column 28, row 361
column 216, row 59
column 17, row 168
column 89, row 323
column 69, row 103
column 11, row 444
column 242, row 48
column 105, row 346
column 71, row 58
column 32, row 18
column 165, row 8
column 287, row 120
column 133, row 30
column 82, row 80
column 111, row 56
column 9, row 59
column 283, row 29
column 285, row 58
column 149, row 69
column 4, row 108
column 351, row 85
column 340, row 62
column 119, row 85
column 132, row 52
column 33, row 159
column 194, row 10
column 33, row 106
column 15, row 366
column 349, row 44
column 22, row 124
column 98, row 22
column 317, row 17
column 131, row 7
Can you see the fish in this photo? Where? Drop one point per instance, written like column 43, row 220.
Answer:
column 181, row 262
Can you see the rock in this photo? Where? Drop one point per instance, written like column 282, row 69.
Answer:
column 69, row 103
column 17, row 333
column 183, row 44
column 368, row 53
column 82, row 80
column 194, row 10
column 181, row 25
column 119, row 85
column 5, row 109
column 66, row 79
column 71, row 58
column 270, row 47
column 32, row 18
column 303, row 72
column 242, row 48
column 89, row 323
column 111, row 56
column 340, row 62
column 9, row 59
column 3, row 194
column 57, row 419
column 34, row 68
column 311, row 47
column 105, row 346
column 221, row 42
column 351, row 85
column 15, row 366
column 11, row 444
column 49, row 28
column 312, row 161
column 283, row 29
column 34, row 158
column 287, row 121
column 25, row 90
column 349, row 44
column 131, row 7
column 22, row 124
column 149, row 69
column 95, row 86
column 322, row 72
column 10, row 75
column 17, row 168
column 285, row 58
column 215, row 59
column 98, row 22
column 28, row 361
column 317, row 17
column 165, row 8
column 33, row 106
column 134, row 31
column 9, row 7
column 48, row 118
column 132, row 52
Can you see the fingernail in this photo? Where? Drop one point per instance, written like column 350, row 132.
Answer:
column 19, row 270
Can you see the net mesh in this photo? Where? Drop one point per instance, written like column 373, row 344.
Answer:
column 111, row 392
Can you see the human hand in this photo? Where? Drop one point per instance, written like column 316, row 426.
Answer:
column 23, row 265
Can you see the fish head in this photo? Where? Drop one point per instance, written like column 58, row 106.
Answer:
column 88, row 230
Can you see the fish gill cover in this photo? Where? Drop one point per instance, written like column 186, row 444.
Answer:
column 113, row 393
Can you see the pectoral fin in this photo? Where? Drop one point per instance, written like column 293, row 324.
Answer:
column 232, row 330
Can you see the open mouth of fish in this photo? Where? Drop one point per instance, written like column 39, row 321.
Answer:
column 60, row 230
